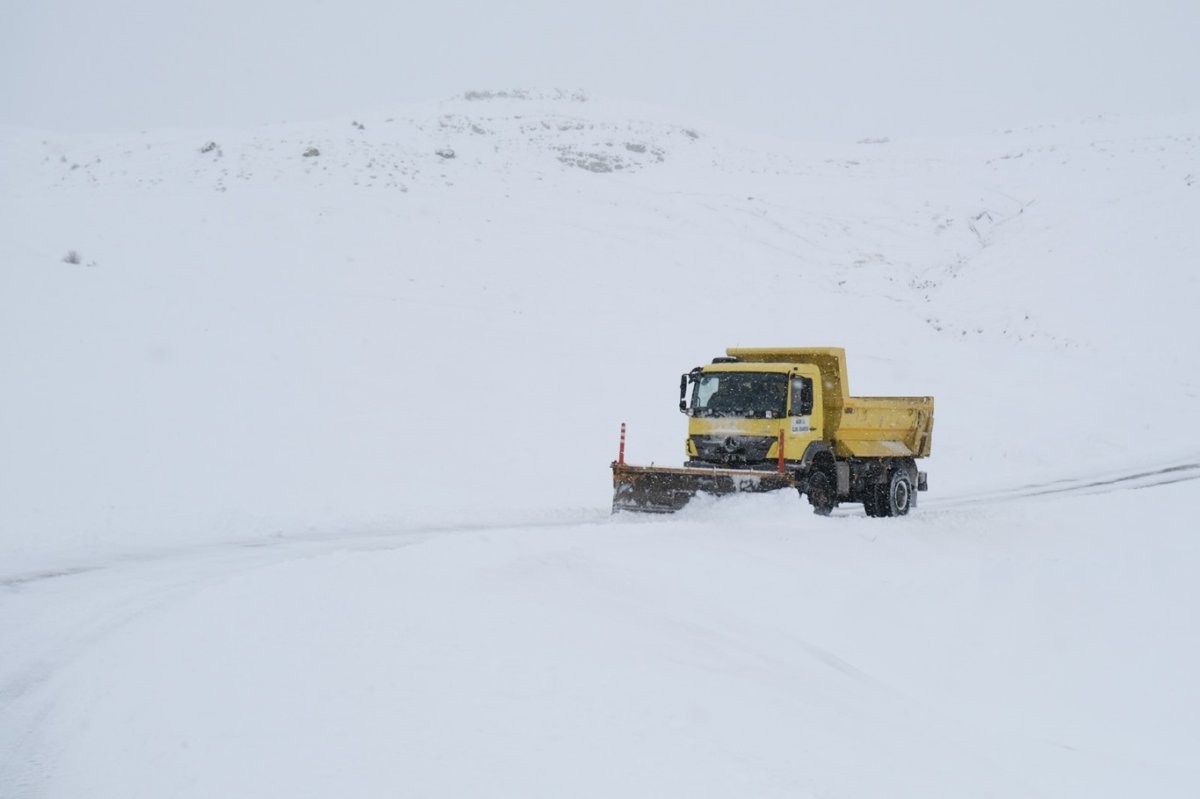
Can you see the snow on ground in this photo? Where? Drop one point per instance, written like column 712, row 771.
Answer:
column 303, row 484
column 1011, row 649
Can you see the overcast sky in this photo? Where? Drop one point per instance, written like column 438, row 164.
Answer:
column 798, row 69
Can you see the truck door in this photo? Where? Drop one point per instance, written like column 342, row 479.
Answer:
column 800, row 428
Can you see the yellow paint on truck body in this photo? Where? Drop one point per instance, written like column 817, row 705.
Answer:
column 878, row 427
column 861, row 427
column 798, row 431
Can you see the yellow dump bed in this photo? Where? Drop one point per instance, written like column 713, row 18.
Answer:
column 880, row 427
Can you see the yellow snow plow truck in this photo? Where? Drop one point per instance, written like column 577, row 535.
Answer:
column 766, row 419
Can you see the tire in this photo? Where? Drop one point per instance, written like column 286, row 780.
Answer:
column 898, row 500
column 820, row 493
column 875, row 501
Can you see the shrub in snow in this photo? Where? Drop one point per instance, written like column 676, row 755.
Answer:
column 208, row 148
column 516, row 94
column 71, row 257
column 311, row 152
column 445, row 152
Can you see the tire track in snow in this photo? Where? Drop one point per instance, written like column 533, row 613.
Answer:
column 1148, row 477
column 1145, row 477
column 300, row 543
column 103, row 599
column 127, row 587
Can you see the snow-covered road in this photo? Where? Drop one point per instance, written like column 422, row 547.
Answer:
column 744, row 647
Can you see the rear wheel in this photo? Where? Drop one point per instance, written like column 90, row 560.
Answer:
column 899, row 494
column 821, row 493
column 875, row 500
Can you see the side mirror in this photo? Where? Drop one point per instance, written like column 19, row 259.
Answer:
column 802, row 397
column 683, row 384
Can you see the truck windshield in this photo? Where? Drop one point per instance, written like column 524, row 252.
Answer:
column 749, row 395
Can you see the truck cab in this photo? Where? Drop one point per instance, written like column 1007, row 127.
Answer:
column 737, row 412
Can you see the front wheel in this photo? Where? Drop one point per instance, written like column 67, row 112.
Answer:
column 821, row 493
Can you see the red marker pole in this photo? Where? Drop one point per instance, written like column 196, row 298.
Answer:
column 781, row 452
column 621, row 452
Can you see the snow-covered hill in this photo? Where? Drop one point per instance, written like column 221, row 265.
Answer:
column 347, row 336
column 258, row 342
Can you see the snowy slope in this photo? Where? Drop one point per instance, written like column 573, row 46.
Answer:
column 257, row 342
column 303, row 476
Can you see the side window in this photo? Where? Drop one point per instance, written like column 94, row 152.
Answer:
column 705, row 388
column 802, row 396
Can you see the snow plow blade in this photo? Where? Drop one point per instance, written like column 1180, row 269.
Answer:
column 657, row 489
